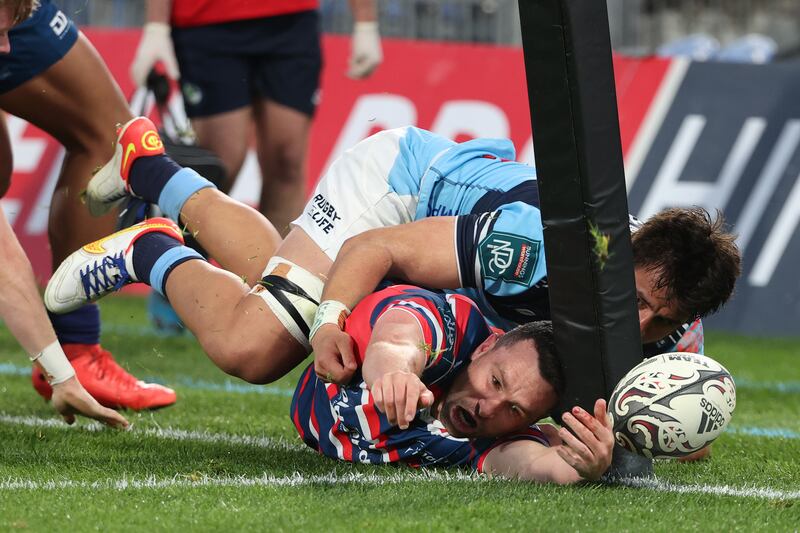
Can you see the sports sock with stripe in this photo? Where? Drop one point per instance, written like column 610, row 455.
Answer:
column 155, row 255
column 160, row 180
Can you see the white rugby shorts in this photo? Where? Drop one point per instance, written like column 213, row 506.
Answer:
column 355, row 196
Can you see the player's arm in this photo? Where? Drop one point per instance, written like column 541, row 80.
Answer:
column 23, row 312
column 421, row 252
column 584, row 455
column 155, row 44
column 366, row 52
column 393, row 363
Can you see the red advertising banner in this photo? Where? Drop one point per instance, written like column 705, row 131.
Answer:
column 457, row 90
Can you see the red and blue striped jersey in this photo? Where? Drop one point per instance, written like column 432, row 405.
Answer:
column 342, row 421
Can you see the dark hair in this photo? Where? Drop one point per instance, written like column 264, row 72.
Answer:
column 541, row 334
column 696, row 260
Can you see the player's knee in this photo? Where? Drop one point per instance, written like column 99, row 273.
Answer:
column 248, row 362
column 285, row 163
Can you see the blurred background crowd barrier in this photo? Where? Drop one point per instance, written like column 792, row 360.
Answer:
column 728, row 30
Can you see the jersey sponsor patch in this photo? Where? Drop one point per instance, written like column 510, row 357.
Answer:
column 508, row 257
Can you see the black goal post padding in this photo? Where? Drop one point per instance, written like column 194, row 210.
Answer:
column 584, row 206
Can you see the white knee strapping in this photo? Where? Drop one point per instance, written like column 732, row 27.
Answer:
column 295, row 303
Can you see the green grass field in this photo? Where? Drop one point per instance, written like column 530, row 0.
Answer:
column 226, row 457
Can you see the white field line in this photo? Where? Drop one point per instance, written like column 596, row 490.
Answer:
column 265, row 480
column 297, row 479
column 165, row 433
column 717, row 490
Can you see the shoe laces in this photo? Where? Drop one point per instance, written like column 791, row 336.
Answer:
column 107, row 369
column 105, row 275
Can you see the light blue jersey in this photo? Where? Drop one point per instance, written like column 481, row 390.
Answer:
column 499, row 227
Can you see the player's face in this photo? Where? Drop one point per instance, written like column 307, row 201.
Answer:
column 658, row 317
column 500, row 392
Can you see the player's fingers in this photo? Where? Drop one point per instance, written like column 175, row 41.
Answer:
column 569, row 456
column 580, row 422
column 601, row 413
column 377, row 395
column 425, row 398
column 568, row 439
column 388, row 401
column 347, row 355
column 111, row 418
column 412, row 399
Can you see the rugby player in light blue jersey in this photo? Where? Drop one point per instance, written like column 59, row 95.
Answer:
column 404, row 203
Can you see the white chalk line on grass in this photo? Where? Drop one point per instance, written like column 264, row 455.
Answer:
column 410, row 476
column 717, row 490
column 265, row 480
column 169, row 433
column 297, row 479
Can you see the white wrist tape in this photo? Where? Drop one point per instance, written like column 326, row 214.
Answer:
column 55, row 364
column 329, row 312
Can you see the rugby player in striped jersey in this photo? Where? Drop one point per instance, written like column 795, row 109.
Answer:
column 436, row 385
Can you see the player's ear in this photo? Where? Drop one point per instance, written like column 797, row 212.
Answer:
column 486, row 345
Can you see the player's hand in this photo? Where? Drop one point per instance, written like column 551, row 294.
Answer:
column 365, row 50
column 334, row 360
column 399, row 395
column 154, row 46
column 589, row 450
column 70, row 398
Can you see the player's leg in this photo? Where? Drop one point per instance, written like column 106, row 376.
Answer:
column 77, row 102
column 282, row 143
column 227, row 134
column 69, row 93
column 285, row 76
column 6, row 157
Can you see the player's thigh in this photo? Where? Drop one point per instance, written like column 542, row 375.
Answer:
column 282, row 139
column 227, row 134
column 75, row 100
column 255, row 345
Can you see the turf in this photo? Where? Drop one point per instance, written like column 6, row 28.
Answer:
column 226, row 457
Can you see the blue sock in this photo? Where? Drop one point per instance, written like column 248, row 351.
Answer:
column 148, row 176
column 81, row 326
column 155, row 254
column 160, row 180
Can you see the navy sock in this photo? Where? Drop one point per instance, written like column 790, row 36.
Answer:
column 148, row 249
column 149, row 175
column 81, row 326
column 155, row 254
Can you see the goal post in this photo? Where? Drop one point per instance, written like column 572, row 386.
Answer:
column 584, row 206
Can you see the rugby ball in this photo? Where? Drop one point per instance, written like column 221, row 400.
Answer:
column 671, row 405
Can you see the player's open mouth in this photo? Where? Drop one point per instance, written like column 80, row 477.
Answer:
column 463, row 419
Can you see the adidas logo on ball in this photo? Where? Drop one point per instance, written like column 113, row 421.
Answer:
column 711, row 418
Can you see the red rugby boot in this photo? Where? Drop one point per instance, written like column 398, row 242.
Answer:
column 108, row 382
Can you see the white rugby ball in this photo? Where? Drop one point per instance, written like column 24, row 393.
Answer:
column 672, row 404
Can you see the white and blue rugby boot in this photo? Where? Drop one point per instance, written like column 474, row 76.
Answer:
column 100, row 267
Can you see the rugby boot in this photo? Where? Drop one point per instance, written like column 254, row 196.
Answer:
column 101, row 267
column 106, row 381
column 109, row 186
